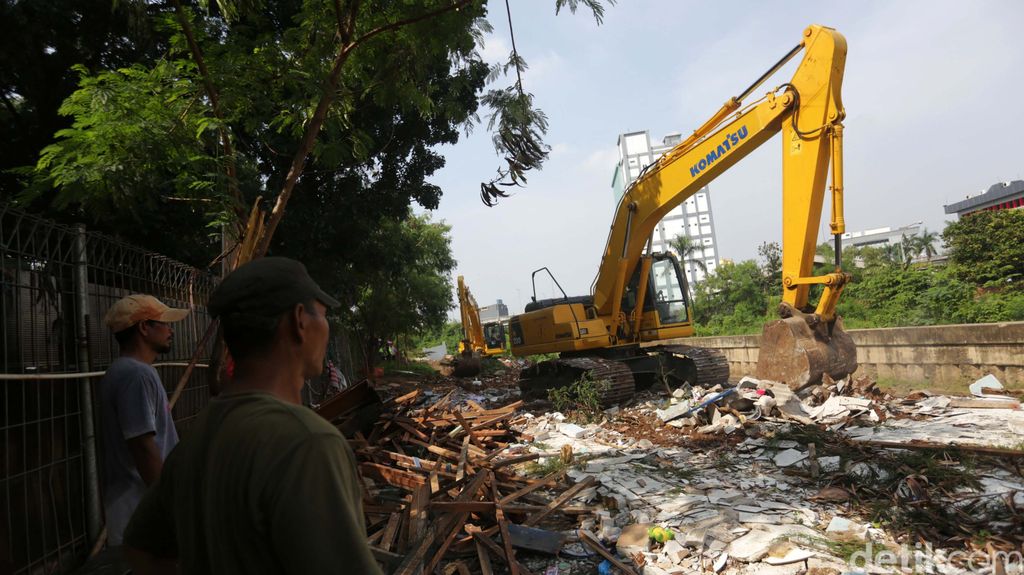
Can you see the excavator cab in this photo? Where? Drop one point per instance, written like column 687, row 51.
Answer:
column 666, row 302
column 494, row 338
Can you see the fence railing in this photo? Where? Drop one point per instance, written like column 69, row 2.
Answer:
column 56, row 284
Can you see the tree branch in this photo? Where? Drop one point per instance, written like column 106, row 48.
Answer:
column 211, row 92
column 320, row 114
column 408, row 21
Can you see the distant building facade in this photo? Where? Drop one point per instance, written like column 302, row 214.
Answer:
column 880, row 237
column 1000, row 196
column 494, row 312
column 692, row 219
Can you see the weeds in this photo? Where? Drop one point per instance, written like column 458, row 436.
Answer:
column 837, row 548
column 722, row 460
column 917, row 492
column 548, row 466
column 678, row 473
column 408, row 367
column 581, row 401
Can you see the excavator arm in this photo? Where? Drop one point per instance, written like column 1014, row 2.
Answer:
column 487, row 339
column 808, row 111
column 472, row 330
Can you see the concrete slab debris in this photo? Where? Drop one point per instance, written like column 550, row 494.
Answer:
column 789, row 457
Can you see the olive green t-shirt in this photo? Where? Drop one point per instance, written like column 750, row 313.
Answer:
column 256, row 486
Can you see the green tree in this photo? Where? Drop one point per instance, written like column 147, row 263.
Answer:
column 40, row 45
column 987, row 248
column 283, row 90
column 771, row 267
column 407, row 290
column 926, row 244
column 685, row 247
column 731, row 300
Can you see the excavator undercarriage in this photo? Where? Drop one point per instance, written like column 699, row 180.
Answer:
column 621, row 372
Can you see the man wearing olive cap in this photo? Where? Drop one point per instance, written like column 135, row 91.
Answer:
column 260, row 484
column 136, row 425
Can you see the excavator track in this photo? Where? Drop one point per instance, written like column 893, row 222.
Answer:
column 535, row 381
column 712, row 365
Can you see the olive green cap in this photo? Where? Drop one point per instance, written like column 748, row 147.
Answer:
column 266, row 286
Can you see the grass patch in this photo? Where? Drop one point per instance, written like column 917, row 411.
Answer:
column 844, row 549
column 547, row 467
column 901, row 388
column 581, row 401
column 677, row 473
column 392, row 366
column 722, row 460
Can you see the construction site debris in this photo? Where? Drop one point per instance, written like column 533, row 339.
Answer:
column 740, row 485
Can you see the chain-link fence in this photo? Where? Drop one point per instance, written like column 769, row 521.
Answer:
column 56, row 283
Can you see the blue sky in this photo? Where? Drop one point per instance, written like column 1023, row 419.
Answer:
column 932, row 92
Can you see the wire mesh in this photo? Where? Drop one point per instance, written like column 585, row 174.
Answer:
column 43, row 467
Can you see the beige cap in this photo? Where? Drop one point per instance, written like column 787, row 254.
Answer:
column 132, row 309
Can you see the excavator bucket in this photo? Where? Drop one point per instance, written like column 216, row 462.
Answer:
column 798, row 351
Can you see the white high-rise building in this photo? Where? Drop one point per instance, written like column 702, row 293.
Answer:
column 692, row 219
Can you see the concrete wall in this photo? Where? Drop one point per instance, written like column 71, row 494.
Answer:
column 942, row 354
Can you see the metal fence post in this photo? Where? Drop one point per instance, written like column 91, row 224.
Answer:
column 93, row 511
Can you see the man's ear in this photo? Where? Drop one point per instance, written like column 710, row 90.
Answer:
column 299, row 320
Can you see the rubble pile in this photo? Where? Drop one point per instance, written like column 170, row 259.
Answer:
column 754, row 478
column 441, row 489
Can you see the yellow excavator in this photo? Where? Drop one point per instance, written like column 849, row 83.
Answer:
column 478, row 339
column 640, row 297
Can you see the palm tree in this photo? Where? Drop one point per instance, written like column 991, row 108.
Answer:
column 685, row 246
column 908, row 249
column 926, row 243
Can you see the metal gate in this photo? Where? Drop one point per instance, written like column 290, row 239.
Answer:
column 56, row 283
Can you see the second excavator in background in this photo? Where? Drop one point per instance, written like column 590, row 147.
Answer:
column 622, row 334
column 478, row 339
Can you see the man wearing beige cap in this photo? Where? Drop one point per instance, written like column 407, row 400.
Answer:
column 136, row 425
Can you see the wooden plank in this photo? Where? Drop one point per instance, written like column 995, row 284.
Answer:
column 458, row 506
column 472, row 435
column 436, row 450
column 519, row 509
column 1000, row 451
column 498, row 551
column 515, row 460
column 390, row 531
column 485, row 558
column 591, row 541
column 561, row 499
column 418, row 512
column 386, row 557
column 392, row 476
column 411, row 429
column 455, row 526
column 490, row 422
column 435, row 483
column 463, row 460
column 348, row 400
column 506, row 538
column 1008, row 403
column 414, row 561
column 403, row 398
column 551, row 478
